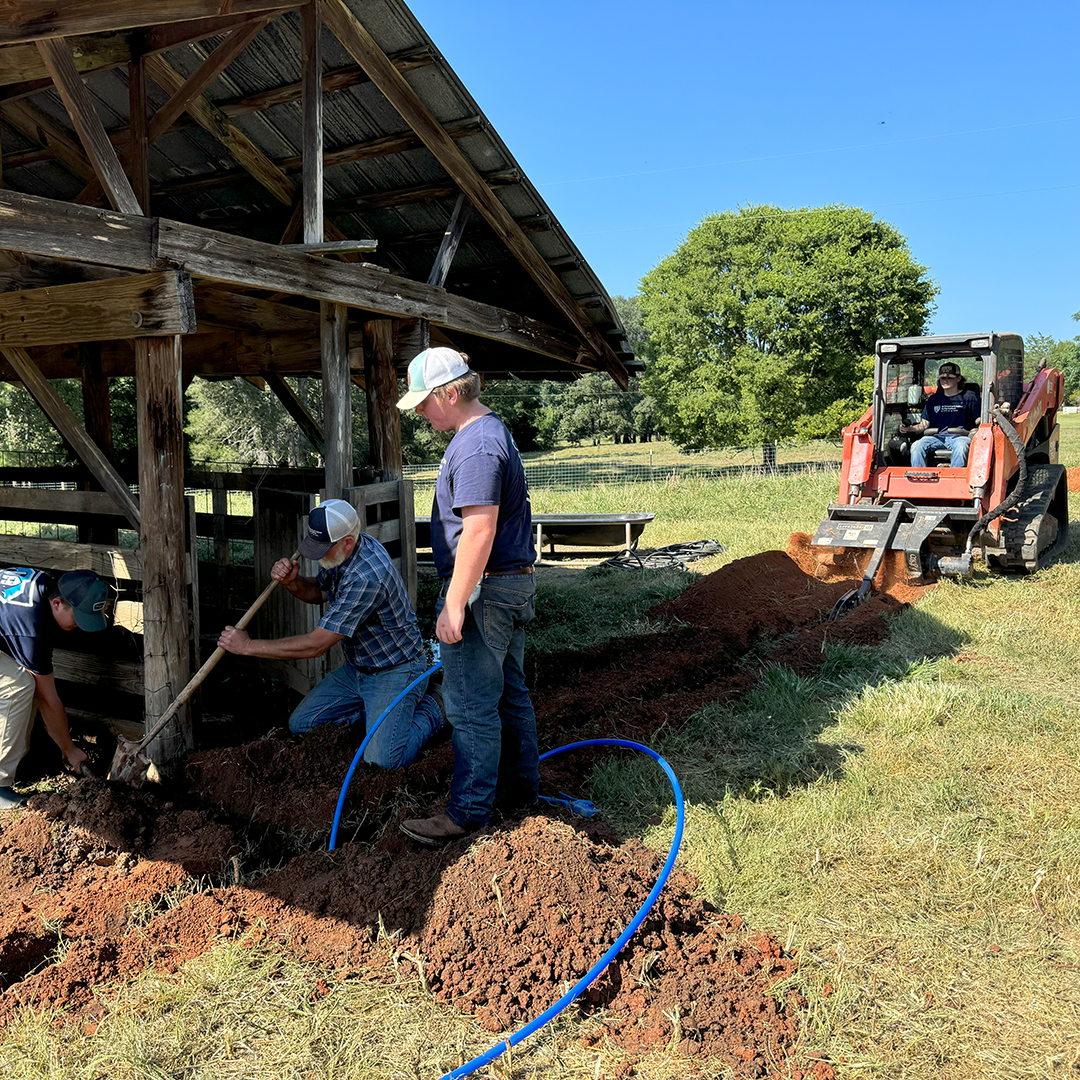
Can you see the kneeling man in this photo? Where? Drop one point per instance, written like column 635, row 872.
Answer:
column 370, row 613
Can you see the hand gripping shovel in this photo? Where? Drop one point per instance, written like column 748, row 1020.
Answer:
column 129, row 763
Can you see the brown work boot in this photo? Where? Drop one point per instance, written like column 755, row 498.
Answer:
column 433, row 831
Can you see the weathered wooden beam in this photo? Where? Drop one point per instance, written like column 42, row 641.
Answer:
column 380, row 200
column 531, row 224
column 106, row 560
column 380, row 382
column 337, row 403
column 313, row 230
column 73, row 433
column 333, row 247
column 166, row 658
column 97, row 418
column 297, row 410
column 365, row 51
column 45, row 226
column 43, row 131
column 138, row 152
column 23, row 73
column 448, row 246
column 69, row 85
column 213, row 120
column 240, row 311
column 143, row 305
column 33, row 20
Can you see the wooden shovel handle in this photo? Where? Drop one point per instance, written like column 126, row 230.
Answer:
column 208, row 666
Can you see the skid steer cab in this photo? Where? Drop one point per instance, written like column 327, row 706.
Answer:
column 1006, row 503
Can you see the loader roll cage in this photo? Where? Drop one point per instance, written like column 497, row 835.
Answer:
column 906, row 373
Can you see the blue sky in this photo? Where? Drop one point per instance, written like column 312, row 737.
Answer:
column 956, row 122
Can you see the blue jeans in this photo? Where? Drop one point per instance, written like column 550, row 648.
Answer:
column 923, row 448
column 347, row 695
column 487, row 701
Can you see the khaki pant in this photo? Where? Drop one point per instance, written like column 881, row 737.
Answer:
column 16, row 716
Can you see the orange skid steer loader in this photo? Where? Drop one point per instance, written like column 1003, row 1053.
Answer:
column 1007, row 505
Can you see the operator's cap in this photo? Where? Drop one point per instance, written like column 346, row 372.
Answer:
column 328, row 523
column 949, row 369
column 87, row 594
column 429, row 369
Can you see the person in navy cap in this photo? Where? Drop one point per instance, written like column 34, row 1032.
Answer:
column 34, row 608
column 369, row 612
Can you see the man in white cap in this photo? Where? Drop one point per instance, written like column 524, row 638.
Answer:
column 481, row 539
column 370, row 613
column 33, row 606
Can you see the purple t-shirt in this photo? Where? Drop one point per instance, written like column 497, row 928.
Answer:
column 482, row 467
column 27, row 626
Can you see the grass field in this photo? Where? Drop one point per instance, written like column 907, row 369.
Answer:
column 906, row 821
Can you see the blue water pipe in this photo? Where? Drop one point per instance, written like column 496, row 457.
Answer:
column 594, row 972
column 363, row 746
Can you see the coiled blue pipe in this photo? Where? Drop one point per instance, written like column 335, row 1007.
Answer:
column 594, row 972
column 363, row 746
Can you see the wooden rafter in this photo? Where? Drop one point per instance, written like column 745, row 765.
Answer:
column 138, row 144
column 362, row 47
column 214, row 121
column 296, row 409
column 57, row 57
column 34, row 20
column 380, row 200
column 43, row 131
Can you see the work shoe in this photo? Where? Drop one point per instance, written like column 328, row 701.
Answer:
column 433, row 831
column 10, row 799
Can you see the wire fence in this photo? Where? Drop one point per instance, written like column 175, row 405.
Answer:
column 578, row 475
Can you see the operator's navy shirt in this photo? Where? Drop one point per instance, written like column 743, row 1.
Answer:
column 27, row 626
column 961, row 410
column 482, row 467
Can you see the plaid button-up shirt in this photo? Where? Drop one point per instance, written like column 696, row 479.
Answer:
column 370, row 608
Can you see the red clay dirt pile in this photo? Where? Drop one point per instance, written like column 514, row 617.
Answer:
column 499, row 933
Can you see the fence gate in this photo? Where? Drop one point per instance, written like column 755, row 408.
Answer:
column 280, row 521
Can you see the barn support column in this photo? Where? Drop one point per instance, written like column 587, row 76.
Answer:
column 337, row 402
column 380, row 378
column 166, row 620
column 98, row 419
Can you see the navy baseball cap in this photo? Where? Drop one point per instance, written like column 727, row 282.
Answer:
column 87, row 595
column 328, row 523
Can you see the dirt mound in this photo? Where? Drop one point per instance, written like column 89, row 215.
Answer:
column 1072, row 478
column 497, row 932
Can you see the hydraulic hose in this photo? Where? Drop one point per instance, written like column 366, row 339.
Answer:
column 1021, row 481
column 594, row 972
column 363, row 746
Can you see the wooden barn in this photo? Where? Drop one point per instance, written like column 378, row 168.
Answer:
column 256, row 189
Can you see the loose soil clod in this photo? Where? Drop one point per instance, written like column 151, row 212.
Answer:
column 498, row 933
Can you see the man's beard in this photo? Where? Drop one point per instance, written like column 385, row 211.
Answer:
column 332, row 561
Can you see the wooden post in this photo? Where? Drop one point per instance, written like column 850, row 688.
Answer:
column 384, row 422
column 98, row 420
column 139, row 148
column 166, row 660
column 337, row 393
column 311, row 96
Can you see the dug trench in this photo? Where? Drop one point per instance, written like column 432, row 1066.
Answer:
column 121, row 875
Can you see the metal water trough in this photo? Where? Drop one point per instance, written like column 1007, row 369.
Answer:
column 570, row 530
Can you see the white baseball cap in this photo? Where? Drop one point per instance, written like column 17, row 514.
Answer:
column 429, row 369
column 328, row 523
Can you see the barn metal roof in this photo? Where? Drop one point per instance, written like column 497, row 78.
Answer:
column 380, row 181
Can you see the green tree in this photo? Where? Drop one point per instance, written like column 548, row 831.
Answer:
column 764, row 322
column 1063, row 355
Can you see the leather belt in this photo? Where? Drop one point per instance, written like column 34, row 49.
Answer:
column 508, row 573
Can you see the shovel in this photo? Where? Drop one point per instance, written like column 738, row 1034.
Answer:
column 129, row 763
